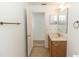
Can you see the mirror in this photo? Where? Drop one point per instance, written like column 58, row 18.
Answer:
column 63, row 21
column 52, row 20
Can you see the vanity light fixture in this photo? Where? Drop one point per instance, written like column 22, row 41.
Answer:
column 44, row 4
column 63, row 5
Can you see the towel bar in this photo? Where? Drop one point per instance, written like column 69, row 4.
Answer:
column 1, row 23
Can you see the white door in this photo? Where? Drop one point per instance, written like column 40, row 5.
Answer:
column 12, row 36
column 29, row 33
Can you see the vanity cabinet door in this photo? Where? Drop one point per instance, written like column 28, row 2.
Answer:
column 58, row 49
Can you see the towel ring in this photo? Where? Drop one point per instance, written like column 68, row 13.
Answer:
column 76, row 24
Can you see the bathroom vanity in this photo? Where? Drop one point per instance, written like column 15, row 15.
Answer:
column 57, row 45
column 57, row 40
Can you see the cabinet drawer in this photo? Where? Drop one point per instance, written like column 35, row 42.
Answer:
column 59, row 43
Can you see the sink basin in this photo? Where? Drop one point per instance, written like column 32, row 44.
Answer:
column 57, row 37
column 58, row 34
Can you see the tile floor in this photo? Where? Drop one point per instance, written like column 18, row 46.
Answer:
column 39, row 50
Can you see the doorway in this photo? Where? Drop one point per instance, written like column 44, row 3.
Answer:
column 38, row 28
column 39, row 35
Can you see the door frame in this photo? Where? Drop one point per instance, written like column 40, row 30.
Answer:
column 26, row 32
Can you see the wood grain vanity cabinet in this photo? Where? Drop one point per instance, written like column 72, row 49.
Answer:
column 57, row 48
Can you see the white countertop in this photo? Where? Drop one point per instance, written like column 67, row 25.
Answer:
column 54, row 37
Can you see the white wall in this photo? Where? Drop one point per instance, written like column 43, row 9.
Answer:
column 38, row 21
column 73, row 34
column 38, row 8
column 12, row 37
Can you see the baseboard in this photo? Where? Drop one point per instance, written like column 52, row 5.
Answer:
column 38, row 43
